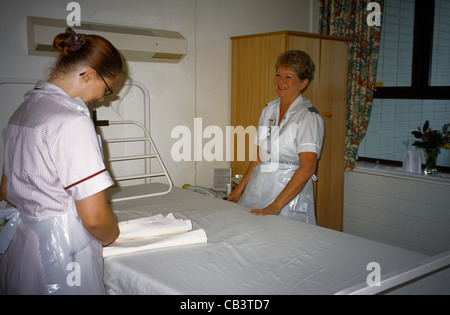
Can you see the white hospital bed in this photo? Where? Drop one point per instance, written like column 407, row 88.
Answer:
column 248, row 254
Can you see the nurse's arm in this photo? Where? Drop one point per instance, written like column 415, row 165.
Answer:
column 308, row 165
column 97, row 218
column 4, row 191
column 3, row 188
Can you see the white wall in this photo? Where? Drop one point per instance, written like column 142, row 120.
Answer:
column 198, row 86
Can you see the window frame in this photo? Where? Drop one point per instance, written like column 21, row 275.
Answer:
column 421, row 61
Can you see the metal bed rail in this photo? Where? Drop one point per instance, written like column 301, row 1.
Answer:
column 400, row 277
column 146, row 156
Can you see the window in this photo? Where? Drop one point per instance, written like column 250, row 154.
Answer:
column 413, row 78
column 415, row 50
column 440, row 59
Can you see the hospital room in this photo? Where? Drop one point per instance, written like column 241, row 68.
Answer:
column 224, row 148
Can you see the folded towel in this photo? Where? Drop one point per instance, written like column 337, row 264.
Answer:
column 153, row 233
column 152, row 226
column 188, row 238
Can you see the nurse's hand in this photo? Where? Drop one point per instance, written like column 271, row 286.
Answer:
column 269, row 210
column 97, row 218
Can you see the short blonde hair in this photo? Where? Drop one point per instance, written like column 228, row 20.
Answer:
column 300, row 62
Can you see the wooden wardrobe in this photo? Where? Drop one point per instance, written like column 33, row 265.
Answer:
column 253, row 71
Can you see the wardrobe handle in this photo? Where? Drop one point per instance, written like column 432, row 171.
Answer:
column 328, row 114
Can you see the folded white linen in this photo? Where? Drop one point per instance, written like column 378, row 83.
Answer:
column 152, row 226
column 153, row 233
column 187, row 238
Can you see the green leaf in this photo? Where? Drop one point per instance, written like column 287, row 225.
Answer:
column 426, row 125
column 418, row 144
column 417, row 134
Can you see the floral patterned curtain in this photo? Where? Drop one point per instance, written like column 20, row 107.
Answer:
column 349, row 18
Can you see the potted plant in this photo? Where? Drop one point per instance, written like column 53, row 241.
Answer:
column 431, row 142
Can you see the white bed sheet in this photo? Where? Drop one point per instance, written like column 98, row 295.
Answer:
column 245, row 254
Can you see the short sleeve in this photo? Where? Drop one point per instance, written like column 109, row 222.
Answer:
column 310, row 134
column 78, row 160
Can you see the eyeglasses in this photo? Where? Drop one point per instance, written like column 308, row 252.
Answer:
column 107, row 92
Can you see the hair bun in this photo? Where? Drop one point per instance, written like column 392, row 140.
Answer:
column 68, row 42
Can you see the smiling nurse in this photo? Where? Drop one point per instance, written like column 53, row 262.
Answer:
column 289, row 139
column 54, row 175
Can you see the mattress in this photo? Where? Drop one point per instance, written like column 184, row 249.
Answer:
column 245, row 254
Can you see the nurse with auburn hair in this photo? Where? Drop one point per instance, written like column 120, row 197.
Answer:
column 55, row 177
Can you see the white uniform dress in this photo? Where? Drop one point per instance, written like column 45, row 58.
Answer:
column 52, row 158
column 300, row 130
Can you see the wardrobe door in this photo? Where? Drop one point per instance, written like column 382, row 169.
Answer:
column 253, row 70
column 311, row 46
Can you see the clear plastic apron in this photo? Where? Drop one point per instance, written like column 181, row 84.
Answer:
column 49, row 255
column 279, row 163
column 265, row 186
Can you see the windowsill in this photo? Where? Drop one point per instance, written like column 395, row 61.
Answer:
column 396, row 172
